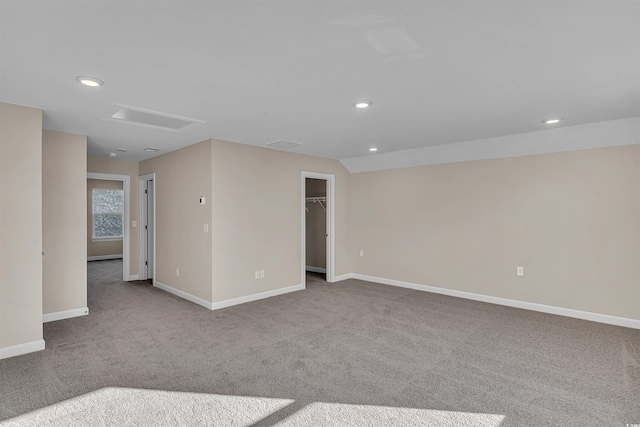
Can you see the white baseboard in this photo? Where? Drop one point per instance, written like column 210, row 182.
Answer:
column 315, row 269
column 578, row 314
column 67, row 314
column 183, row 294
column 133, row 277
column 226, row 303
column 342, row 277
column 254, row 297
column 103, row 257
column 20, row 349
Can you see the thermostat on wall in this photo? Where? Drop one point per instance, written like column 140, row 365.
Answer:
column 202, row 201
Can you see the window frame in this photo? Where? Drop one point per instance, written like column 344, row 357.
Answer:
column 93, row 217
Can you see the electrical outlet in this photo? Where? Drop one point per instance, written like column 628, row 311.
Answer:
column 519, row 271
column 262, row 274
column 257, row 274
column 361, row 252
column 177, row 272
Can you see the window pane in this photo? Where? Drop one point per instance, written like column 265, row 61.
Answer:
column 107, row 225
column 108, row 201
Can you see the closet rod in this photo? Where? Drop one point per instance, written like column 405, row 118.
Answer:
column 322, row 200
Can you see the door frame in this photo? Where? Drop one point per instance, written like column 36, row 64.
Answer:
column 330, row 227
column 126, row 238
column 142, row 212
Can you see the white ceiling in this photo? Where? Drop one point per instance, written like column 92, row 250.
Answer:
column 438, row 72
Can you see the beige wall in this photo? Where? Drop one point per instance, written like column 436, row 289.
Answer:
column 101, row 248
column 123, row 167
column 20, row 225
column 257, row 217
column 570, row 219
column 64, row 183
column 316, row 225
column 183, row 176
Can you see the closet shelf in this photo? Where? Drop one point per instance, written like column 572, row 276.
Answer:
column 322, row 200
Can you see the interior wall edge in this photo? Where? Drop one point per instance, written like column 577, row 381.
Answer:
column 184, row 295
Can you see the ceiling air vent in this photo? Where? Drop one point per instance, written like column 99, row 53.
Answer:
column 283, row 145
column 147, row 118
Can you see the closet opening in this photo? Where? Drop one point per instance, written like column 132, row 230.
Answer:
column 318, row 231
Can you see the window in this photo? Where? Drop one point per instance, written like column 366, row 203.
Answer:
column 108, row 213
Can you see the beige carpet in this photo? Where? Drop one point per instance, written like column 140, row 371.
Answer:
column 104, row 272
column 350, row 353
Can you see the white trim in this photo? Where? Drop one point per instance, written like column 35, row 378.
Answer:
column 568, row 312
column 142, row 212
column 612, row 133
column 106, row 239
column 184, row 295
column 67, row 314
column 249, row 298
column 331, row 224
column 226, row 303
column 20, row 349
column 103, row 257
column 343, row 277
column 133, row 277
column 126, row 241
column 95, row 238
column 315, row 269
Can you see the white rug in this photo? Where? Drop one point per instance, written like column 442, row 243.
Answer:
column 135, row 407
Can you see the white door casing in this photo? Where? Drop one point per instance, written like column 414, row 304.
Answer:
column 147, row 216
column 126, row 238
column 330, row 227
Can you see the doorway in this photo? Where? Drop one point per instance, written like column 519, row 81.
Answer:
column 316, row 229
column 318, row 225
column 125, row 218
column 105, row 210
column 147, row 190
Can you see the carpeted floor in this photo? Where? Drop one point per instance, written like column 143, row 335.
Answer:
column 349, row 353
column 104, row 272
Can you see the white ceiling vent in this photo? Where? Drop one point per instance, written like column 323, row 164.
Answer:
column 152, row 119
column 283, row 145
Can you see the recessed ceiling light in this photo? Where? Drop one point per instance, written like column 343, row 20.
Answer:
column 112, row 154
column 552, row 121
column 363, row 104
column 89, row 81
column 373, row 149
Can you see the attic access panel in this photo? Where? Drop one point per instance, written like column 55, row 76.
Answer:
column 147, row 118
